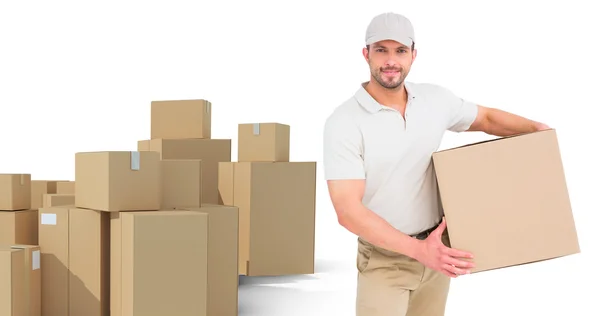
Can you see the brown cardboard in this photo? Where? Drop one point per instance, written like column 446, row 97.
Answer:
column 159, row 263
column 115, row 181
column 180, row 119
column 264, row 142
column 181, row 183
column 15, row 192
column 51, row 200
column 33, row 279
column 506, row 200
column 276, row 202
column 19, row 227
column 65, row 187
column 12, row 282
column 38, row 189
column 75, row 261
column 223, row 273
column 210, row 151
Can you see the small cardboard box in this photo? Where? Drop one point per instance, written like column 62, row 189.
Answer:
column 180, row 119
column 268, row 142
column 506, row 200
column 15, row 192
column 115, row 181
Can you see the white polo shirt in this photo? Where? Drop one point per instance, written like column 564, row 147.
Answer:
column 365, row 140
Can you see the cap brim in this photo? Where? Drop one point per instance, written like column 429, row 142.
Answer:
column 407, row 41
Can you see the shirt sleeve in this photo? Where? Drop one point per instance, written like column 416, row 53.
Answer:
column 461, row 112
column 342, row 149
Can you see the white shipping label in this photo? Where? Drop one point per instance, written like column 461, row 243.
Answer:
column 48, row 219
column 35, row 260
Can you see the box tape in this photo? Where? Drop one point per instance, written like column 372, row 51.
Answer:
column 135, row 160
column 256, row 129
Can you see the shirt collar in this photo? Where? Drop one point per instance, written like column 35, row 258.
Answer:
column 370, row 104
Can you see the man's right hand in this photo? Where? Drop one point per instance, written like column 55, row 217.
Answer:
column 437, row 256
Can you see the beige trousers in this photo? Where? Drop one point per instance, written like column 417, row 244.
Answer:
column 391, row 284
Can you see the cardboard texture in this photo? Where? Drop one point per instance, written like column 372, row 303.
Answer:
column 65, row 187
column 223, row 273
column 506, row 200
column 12, row 282
column 51, row 200
column 210, row 151
column 75, row 251
column 180, row 119
column 181, row 183
column 38, row 189
column 276, row 202
column 15, row 192
column 115, row 181
column 33, row 279
column 159, row 263
column 264, row 142
column 19, row 227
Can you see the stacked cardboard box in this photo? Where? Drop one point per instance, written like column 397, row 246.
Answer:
column 276, row 201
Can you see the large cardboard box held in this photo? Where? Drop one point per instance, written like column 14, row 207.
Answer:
column 276, row 202
column 506, row 200
column 210, row 151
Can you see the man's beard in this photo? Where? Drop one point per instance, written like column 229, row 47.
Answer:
column 392, row 85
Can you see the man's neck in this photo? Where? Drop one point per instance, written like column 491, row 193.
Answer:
column 395, row 98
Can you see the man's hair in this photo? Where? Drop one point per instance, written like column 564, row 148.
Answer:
column 412, row 47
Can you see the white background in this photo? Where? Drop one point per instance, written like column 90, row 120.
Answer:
column 80, row 75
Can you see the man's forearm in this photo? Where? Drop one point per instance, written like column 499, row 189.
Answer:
column 374, row 229
column 501, row 123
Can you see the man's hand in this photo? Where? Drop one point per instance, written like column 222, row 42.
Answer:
column 437, row 256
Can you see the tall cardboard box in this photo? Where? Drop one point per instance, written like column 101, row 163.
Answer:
column 210, row 151
column 38, row 189
column 115, row 181
column 264, row 142
column 180, row 119
column 74, row 244
column 12, row 282
column 276, row 202
column 15, row 192
column 33, row 279
column 506, row 200
column 181, row 183
column 159, row 263
column 223, row 272
column 19, row 227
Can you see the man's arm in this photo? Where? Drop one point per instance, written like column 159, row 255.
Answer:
column 501, row 123
column 346, row 196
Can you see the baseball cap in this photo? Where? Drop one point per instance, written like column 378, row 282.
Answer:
column 390, row 26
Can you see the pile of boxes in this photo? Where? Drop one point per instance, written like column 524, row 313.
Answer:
column 163, row 230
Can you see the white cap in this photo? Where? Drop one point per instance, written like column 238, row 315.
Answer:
column 390, row 26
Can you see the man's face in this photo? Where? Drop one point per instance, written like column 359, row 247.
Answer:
column 389, row 62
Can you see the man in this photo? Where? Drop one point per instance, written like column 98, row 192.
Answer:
column 377, row 163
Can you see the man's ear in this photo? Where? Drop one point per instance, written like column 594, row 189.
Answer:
column 365, row 52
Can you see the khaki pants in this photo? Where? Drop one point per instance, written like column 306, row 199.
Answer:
column 391, row 284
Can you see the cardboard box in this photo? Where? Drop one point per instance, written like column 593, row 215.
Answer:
column 180, row 119
column 506, row 200
column 19, row 227
column 38, row 189
column 159, row 263
column 264, row 142
column 51, row 200
column 65, row 187
column 75, row 261
column 15, row 192
column 181, row 183
column 115, row 181
column 12, row 282
column 223, row 272
column 210, row 151
column 33, row 279
column 276, row 202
